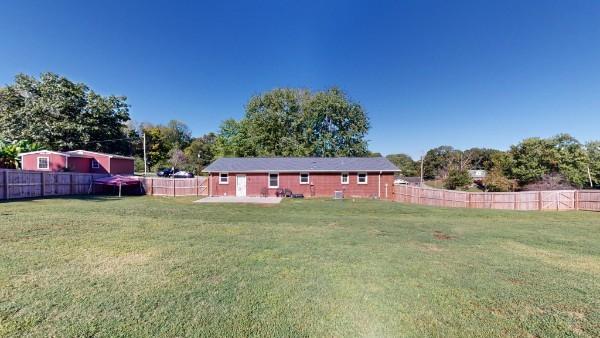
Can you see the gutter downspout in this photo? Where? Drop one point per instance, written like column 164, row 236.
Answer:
column 379, row 185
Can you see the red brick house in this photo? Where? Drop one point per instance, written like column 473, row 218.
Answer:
column 81, row 161
column 312, row 177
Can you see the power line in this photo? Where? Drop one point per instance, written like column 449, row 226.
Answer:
column 110, row 140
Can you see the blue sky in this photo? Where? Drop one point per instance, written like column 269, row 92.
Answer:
column 476, row 73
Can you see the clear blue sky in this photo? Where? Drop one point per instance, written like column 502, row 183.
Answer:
column 477, row 73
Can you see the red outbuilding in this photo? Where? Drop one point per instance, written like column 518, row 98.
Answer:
column 309, row 176
column 81, row 161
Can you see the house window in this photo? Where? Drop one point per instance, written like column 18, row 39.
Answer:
column 223, row 178
column 361, row 178
column 43, row 163
column 304, row 178
column 273, row 180
column 95, row 164
column 345, row 178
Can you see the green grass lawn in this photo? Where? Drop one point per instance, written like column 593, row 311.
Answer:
column 144, row 266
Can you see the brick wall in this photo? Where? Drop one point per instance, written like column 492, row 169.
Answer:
column 320, row 185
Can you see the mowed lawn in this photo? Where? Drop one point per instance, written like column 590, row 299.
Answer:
column 144, row 266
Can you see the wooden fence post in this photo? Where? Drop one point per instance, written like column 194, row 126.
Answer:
column 6, row 190
column 43, row 184
column 70, row 184
column 576, row 196
column 174, row 189
column 91, row 187
column 197, row 186
column 540, row 202
column 151, row 186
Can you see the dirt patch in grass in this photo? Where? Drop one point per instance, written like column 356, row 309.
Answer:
column 442, row 236
column 577, row 317
column 516, row 281
column 214, row 280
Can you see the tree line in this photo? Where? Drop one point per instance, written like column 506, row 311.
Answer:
column 533, row 163
column 53, row 112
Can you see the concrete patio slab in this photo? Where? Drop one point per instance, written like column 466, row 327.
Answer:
column 235, row 199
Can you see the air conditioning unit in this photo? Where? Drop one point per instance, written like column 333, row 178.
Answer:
column 338, row 195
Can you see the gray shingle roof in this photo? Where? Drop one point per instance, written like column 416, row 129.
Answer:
column 296, row 164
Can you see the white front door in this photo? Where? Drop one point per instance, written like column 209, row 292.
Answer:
column 240, row 185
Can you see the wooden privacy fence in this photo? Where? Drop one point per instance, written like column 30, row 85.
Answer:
column 15, row 184
column 159, row 186
column 588, row 200
column 527, row 200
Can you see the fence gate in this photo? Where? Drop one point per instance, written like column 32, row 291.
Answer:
column 566, row 200
column 557, row 200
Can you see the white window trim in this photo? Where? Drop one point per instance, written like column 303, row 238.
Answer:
column 226, row 176
column 347, row 178
column 47, row 162
column 307, row 178
column 269, row 178
column 97, row 166
column 358, row 179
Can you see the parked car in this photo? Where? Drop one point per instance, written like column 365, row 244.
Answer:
column 166, row 172
column 183, row 174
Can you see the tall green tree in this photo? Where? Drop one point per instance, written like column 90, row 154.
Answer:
column 438, row 162
column 296, row 122
column 479, row 158
column 9, row 152
column 531, row 159
column 572, row 159
column 59, row 114
column 408, row 167
column 335, row 125
column 234, row 140
column 201, row 152
column 176, row 134
column 593, row 153
column 534, row 158
column 157, row 147
column 275, row 123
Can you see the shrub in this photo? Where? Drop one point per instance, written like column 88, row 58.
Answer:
column 457, row 179
column 495, row 181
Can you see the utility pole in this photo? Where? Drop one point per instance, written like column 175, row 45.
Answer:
column 145, row 165
column 590, row 176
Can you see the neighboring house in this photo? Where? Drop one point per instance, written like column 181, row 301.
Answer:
column 477, row 175
column 318, row 177
column 81, row 161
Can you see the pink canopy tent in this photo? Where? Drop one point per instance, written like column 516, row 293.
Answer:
column 118, row 181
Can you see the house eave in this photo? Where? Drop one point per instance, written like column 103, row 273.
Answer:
column 304, row 170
